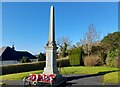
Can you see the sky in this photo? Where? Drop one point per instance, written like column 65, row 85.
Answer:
column 26, row 24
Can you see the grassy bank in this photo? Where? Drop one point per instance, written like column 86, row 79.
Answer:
column 110, row 74
column 113, row 77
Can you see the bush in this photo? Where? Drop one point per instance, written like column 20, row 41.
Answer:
column 63, row 62
column 76, row 56
column 41, row 57
column 25, row 67
column 113, row 62
column 92, row 60
column 112, row 53
column 102, row 56
column 95, row 50
column 110, row 62
column 117, row 62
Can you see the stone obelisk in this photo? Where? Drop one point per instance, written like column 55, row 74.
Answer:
column 51, row 64
column 51, row 54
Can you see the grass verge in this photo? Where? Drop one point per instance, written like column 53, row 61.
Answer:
column 113, row 77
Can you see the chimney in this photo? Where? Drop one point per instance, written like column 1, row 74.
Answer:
column 13, row 47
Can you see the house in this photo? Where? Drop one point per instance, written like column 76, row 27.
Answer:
column 9, row 55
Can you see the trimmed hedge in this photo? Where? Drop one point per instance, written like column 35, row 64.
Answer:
column 76, row 56
column 24, row 67
column 63, row 62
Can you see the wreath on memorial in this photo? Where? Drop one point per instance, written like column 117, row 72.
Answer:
column 36, row 78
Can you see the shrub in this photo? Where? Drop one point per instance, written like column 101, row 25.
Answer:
column 113, row 62
column 41, row 57
column 63, row 62
column 95, row 50
column 117, row 62
column 76, row 56
column 110, row 62
column 112, row 53
column 92, row 60
column 102, row 56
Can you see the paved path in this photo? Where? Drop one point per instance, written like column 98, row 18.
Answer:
column 92, row 80
column 84, row 80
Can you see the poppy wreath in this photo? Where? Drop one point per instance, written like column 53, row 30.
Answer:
column 42, row 78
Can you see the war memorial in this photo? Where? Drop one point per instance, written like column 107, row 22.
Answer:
column 50, row 75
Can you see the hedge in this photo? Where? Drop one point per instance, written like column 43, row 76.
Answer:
column 76, row 56
column 63, row 62
column 24, row 67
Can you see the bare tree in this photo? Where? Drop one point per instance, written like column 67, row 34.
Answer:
column 63, row 44
column 78, row 44
column 63, row 40
column 90, row 38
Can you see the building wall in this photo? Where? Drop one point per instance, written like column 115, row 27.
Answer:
column 33, row 60
column 8, row 62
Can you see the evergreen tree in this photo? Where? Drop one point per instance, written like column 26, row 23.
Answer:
column 41, row 57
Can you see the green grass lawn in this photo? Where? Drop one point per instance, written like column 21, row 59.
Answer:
column 86, row 70
column 18, row 76
column 110, row 74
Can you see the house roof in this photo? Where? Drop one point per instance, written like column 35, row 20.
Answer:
column 2, row 49
column 26, row 54
column 7, row 53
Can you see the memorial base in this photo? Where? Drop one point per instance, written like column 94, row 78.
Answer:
column 59, row 80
